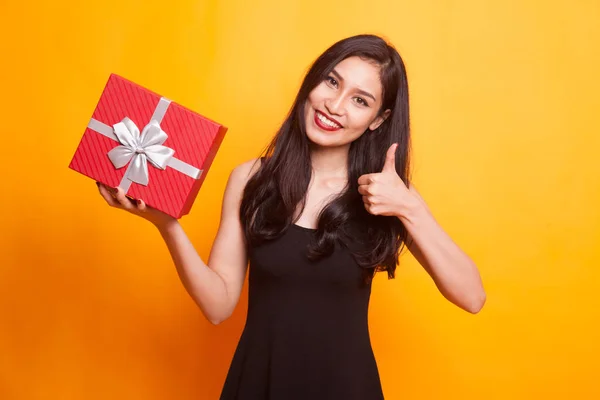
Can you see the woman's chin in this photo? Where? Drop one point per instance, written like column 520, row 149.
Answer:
column 321, row 139
column 328, row 139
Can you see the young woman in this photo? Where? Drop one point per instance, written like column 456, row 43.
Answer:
column 328, row 205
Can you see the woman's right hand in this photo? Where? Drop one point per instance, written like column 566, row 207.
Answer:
column 115, row 197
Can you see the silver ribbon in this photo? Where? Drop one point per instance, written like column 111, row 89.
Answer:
column 137, row 149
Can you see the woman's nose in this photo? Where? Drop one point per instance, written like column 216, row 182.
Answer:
column 335, row 105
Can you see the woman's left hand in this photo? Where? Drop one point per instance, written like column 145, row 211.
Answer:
column 384, row 193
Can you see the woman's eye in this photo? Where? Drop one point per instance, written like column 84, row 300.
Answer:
column 361, row 101
column 331, row 80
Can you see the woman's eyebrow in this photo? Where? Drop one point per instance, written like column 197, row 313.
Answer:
column 339, row 77
column 366, row 94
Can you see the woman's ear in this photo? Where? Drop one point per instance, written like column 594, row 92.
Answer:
column 379, row 120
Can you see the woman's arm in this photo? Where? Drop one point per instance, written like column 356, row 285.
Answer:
column 214, row 286
column 453, row 272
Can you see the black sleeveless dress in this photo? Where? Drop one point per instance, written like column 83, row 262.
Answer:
column 306, row 335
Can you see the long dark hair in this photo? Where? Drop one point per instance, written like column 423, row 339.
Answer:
column 273, row 194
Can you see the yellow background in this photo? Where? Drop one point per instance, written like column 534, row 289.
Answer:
column 506, row 141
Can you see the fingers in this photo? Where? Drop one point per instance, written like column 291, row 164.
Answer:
column 366, row 179
column 141, row 205
column 107, row 195
column 123, row 200
column 116, row 197
column 390, row 159
column 368, row 190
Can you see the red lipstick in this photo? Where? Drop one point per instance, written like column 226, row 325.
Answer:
column 323, row 125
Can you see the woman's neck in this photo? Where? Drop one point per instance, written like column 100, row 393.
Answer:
column 330, row 162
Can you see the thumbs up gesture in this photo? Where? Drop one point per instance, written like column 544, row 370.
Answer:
column 384, row 193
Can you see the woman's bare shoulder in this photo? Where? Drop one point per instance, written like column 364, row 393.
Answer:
column 244, row 171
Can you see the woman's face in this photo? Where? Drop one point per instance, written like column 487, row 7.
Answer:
column 342, row 107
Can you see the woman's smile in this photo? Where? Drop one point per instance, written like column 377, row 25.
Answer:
column 326, row 123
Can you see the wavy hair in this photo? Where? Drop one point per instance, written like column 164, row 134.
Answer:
column 273, row 194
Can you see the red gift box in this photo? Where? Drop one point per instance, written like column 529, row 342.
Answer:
column 153, row 148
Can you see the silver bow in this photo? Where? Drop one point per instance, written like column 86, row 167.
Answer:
column 141, row 148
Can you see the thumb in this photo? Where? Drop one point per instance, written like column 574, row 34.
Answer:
column 390, row 159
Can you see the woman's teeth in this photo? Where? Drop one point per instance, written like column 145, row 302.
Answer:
column 327, row 122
